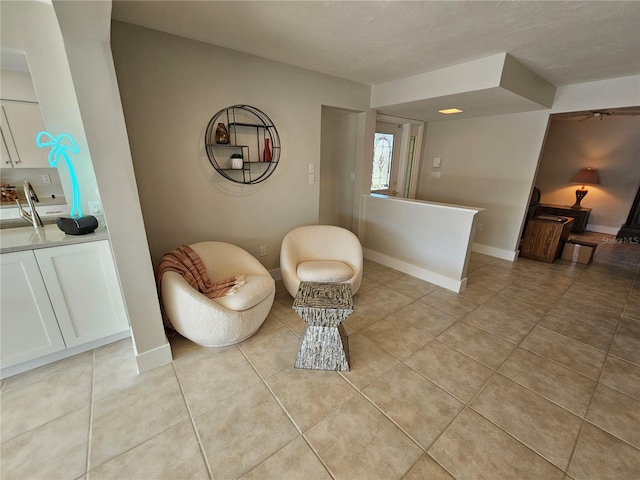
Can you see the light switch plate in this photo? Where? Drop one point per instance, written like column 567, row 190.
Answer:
column 434, row 174
column 437, row 161
column 312, row 168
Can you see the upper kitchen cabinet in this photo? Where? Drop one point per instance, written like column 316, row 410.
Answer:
column 20, row 124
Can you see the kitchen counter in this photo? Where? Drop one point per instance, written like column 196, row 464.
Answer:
column 28, row 238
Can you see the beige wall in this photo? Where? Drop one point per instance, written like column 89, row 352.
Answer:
column 338, row 159
column 610, row 145
column 487, row 162
column 170, row 88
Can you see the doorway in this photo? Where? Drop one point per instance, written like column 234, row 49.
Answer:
column 396, row 156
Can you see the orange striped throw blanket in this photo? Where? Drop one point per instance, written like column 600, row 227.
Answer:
column 185, row 261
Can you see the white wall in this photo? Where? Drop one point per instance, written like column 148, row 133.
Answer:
column 487, row 162
column 32, row 27
column 339, row 136
column 610, row 145
column 170, row 88
column 17, row 86
column 612, row 93
column 427, row 240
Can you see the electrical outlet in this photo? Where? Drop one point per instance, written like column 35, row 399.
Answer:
column 95, row 208
column 480, row 227
column 263, row 250
column 46, row 178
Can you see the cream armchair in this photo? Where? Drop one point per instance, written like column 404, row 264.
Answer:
column 217, row 322
column 320, row 253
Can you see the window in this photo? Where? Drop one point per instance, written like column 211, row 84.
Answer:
column 382, row 155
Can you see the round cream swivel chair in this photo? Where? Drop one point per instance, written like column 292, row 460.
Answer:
column 320, row 253
column 222, row 321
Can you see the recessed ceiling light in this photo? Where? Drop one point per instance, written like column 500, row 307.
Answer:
column 450, row 111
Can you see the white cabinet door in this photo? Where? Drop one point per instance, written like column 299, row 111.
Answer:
column 28, row 327
column 24, row 122
column 5, row 162
column 83, row 287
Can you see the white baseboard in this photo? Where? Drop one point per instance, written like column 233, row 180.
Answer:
column 154, row 358
column 494, row 252
column 67, row 352
column 603, row 229
column 421, row 273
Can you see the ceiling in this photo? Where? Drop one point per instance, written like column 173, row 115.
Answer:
column 371, row 42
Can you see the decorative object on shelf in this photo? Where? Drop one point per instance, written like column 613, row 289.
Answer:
column 236, row 161
column 60, row 145
column 267, row 151
column 222, row 135
column 586, row 176
column 252, row 136
column 9, row 193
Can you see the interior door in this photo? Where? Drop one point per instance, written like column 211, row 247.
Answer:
column 386, row 158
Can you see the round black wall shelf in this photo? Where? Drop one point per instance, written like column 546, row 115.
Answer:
column 246, row 132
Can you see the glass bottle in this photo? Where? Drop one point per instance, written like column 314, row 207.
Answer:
column 267, row 151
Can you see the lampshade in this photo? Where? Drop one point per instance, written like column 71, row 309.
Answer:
column 586, row 176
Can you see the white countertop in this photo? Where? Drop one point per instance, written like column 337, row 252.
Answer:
column 29, row 238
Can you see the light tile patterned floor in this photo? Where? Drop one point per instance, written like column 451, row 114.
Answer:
column 533, row 372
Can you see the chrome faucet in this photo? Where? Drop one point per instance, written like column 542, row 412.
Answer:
column 32, row 217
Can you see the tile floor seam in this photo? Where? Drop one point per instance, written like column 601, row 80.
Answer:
column 286, row 412
column 439, row 309
column 487, row 331
column 393, row 421
column 521, row 442
column 479, row 391
column 412, row 466
column 133, row 447
column 612, row 434
column 42, row 425
column 561, row 364
column 583, row 322
column 575, row 340
column 91, row 400
column 192, row 420
column 465, row 406
column 466, row 354
column 273, row 394
column 623, row 359
column 586, row 412
column 317, row 454
column 497, row 372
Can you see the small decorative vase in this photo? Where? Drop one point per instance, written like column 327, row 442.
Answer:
column 267, row 151
column 236, row 163
column 222, row 136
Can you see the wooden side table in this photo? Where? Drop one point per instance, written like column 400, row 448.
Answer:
column 324, row 344
column 545, row 237
column 580, row 215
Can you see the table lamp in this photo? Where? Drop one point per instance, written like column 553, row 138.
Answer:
column 585, row 176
